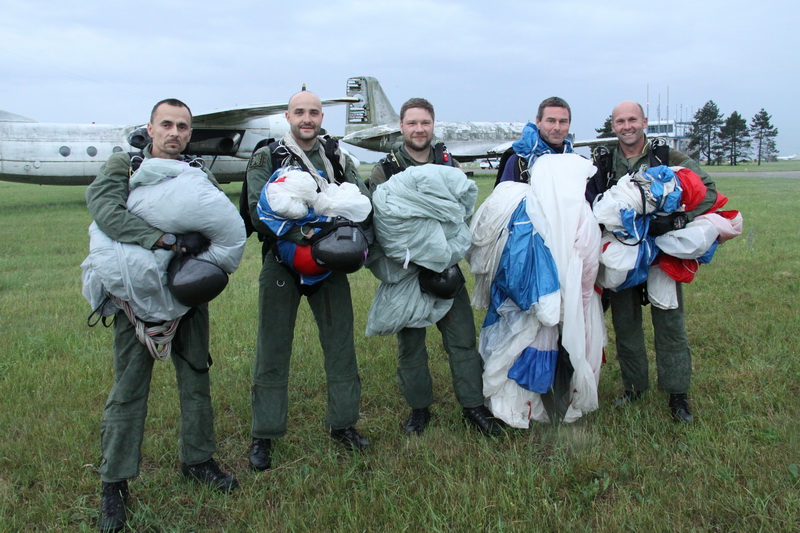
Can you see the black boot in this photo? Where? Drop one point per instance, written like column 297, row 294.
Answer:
column 260, row 458
column 417, row 421
column 483, row 419
column 112, row 506
column 350, row 438
column 679, row 406
column 210, row 474
column 628, row 397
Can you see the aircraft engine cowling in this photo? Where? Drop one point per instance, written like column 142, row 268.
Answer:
column 139, row 138
column 203, row 142
column 214, row 142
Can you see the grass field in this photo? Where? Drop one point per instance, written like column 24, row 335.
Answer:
column 735, row 469
column 750, row 166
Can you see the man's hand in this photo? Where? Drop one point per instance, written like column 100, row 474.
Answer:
column 659, row 225
column 193, row 243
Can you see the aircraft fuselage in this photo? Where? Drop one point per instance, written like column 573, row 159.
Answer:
column 57, row 154
column 72, row 154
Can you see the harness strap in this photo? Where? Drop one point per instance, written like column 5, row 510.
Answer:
column 390, row 165
column 157, row 338
column 97, row 317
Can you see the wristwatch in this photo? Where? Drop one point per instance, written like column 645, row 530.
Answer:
column 169, row 240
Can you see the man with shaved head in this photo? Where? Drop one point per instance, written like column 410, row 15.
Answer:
column 635, row 152
column 280, row 292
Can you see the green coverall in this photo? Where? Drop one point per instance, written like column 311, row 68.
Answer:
column 458, row 337
column 122, row 429
column 278, row 299
column 673, row 357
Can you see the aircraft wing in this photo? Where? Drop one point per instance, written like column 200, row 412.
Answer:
column 594, row 142
column 5, row 116
column 235, row 117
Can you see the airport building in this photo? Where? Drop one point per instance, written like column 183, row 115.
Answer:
column 676, row 133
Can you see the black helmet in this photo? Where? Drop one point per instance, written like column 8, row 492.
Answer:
column 195, row 281
column 340, row 246
column 444, row 284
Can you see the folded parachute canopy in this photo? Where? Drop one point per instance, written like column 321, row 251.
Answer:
column 175, row 198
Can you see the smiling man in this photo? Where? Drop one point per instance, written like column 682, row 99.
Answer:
column 635, row 152
column 457, row 326
column 549, row 135
column 281, row 290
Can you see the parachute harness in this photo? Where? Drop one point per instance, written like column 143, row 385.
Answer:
column 157, row 338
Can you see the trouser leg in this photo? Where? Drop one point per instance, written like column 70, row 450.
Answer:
column 626, row 313
column 197, row 417
column 466, row 366
column 333, row 311
column 278, row 299
column 413, row 374
column 122, row 429
column 673, row 356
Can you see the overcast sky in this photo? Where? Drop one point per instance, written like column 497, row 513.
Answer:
column 85, row 61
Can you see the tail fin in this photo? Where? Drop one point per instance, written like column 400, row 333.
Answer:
column 374, row 108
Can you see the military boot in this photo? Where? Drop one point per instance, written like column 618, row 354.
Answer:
column 112, row 507
column 679, row 406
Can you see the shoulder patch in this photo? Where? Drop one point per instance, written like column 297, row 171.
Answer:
column 258, row 160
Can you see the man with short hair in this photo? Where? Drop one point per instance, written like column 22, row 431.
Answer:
column 124, row 415
column 280, row 292
column 634, row 152
column 550, row 136
column 457, row 326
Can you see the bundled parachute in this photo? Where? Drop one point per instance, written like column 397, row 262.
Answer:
column 535, row 255
column 176, row 198
column 632, row 253
column 420, row 225
column 293, row 197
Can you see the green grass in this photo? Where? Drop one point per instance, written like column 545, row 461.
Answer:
column 752, row 166
column 735, row 469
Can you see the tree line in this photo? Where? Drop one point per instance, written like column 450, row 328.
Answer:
column 716, row 139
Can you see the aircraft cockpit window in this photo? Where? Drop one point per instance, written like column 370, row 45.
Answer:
column 92, row 151
column 64, row 150
column 116, row 149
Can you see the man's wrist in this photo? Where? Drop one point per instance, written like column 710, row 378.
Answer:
column 167, row 241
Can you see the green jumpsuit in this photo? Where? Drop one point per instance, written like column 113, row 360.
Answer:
column 122, row 429
column 458, row 337
column 673, row 357
column 279, row 296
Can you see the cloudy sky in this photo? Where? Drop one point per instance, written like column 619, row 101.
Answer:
column 90, row 61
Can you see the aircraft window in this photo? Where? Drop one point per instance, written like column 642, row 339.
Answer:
column 64, row 150
column 116, row 149
column 92, row 151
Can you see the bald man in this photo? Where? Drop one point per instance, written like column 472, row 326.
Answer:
column 634, row 152
column 280, row 292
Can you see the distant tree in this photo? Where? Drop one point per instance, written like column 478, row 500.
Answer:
column 734, row 137
column 718, row 152
column 606, row 130
column 763, row 133
column 704, row 129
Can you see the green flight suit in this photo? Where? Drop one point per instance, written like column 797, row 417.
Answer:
column 673, row 356
column 458, row 337
column 122, row 429
column 279, row 296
